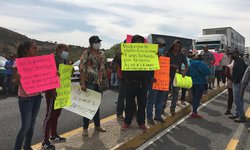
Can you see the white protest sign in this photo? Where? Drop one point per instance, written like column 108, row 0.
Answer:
column 84, row 104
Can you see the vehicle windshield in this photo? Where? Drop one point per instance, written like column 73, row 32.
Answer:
column 210, row 44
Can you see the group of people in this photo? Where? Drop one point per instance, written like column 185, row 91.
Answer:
column 136, row 95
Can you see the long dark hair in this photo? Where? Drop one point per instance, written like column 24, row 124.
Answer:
column 174, row 43
column 23, row 48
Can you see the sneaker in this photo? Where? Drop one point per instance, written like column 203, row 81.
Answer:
column 120, row 117
column 195, row 115
column 160, row 119
column 58, row 139
column 85, row 132
column 228, row 112
column 124, row 127
column 151, row 121
column 47, row 146
column 240, row 120
column 100, row 129
column 172, row 112
column 233, row 117
column 143, row 127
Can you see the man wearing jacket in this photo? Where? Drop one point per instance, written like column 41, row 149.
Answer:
column 239, row 68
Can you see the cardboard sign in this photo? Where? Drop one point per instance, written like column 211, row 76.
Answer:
column 162, row 75
column 139, row 57
column 38, row 73
column 63, row 93
column 84, row 104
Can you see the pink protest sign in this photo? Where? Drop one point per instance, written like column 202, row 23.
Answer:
column 129, row 39
column 38, row 73
column 217, row 57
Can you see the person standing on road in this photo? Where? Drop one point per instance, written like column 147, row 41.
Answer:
column 93, row 76
column 239, row 68
column 156, row 97
column 52, row 115
column 226, row 60
column 176, row 60
column 245, row 84
column 198, row 71
column 208, row 58
column 29, row 104
column 8, row 75
column 136, row 86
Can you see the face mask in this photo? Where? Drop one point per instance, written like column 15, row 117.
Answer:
column 64, row 54
column 161, row 50
column 96, row 46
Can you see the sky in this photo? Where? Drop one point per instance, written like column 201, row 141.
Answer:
column 74, row 21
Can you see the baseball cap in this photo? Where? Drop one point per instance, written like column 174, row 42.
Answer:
column 94, row 39
column 160, row 41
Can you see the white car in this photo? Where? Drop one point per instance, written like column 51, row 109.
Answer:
column 76, row 74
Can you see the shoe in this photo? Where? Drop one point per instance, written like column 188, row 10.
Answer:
column 160, row 120
column 195, row 115
column 233, row 117
column 228, row 112
column 205, row 92
column 151, row 121
column 183, row 103
column 172, row 112
column 100, row 129
column 58, row 139
column 85, row 132
column 143, row 127
column 240, row 120
column 47, row 146
column 120, row 117
column 124, row 127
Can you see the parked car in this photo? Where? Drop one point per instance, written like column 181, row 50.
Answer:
column 76, row 74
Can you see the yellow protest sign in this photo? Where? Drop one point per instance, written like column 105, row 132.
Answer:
column 182, row 82
column 139, row 57
column 63, row 93
column 162, row 75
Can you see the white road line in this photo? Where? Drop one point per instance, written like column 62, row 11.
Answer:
column 158, row 136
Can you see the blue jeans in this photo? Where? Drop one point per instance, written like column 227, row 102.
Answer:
column 155, row 98
column 238, row 100
column 197, row 91
column 29, row 108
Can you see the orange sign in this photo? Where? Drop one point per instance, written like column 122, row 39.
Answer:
column 162, row 75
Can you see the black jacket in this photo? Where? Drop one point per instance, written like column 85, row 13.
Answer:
column 239, row 68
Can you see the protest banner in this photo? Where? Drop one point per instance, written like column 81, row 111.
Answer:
column 218, row 57
column 63, row 93
column 38, row 73
column 162, row 75
column 139, row 57
column 84, row 104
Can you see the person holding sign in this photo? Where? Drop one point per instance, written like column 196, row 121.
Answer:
column 156, row 97
column 52, row 115
column 198, row 71
column 29, row 104
column 136, row 86
column 93, row 76
column 176, row 60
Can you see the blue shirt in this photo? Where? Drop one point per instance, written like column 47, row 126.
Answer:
column 8, row 67
column 198, row 71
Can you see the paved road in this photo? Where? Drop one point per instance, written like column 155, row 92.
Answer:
column 211, row 133
column 10, row 119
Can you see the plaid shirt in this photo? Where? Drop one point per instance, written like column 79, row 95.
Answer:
column 92, row 64
column 245, row 80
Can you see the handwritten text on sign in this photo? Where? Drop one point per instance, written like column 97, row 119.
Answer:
column 63, row 93
column 139, row 56
column 38, row 73
column 85, row 104
column 162, row 75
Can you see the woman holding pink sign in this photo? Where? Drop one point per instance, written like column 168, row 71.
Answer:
column 29, row 104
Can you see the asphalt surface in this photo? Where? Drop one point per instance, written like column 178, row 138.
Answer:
column 11, row 122
column 213, row 132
